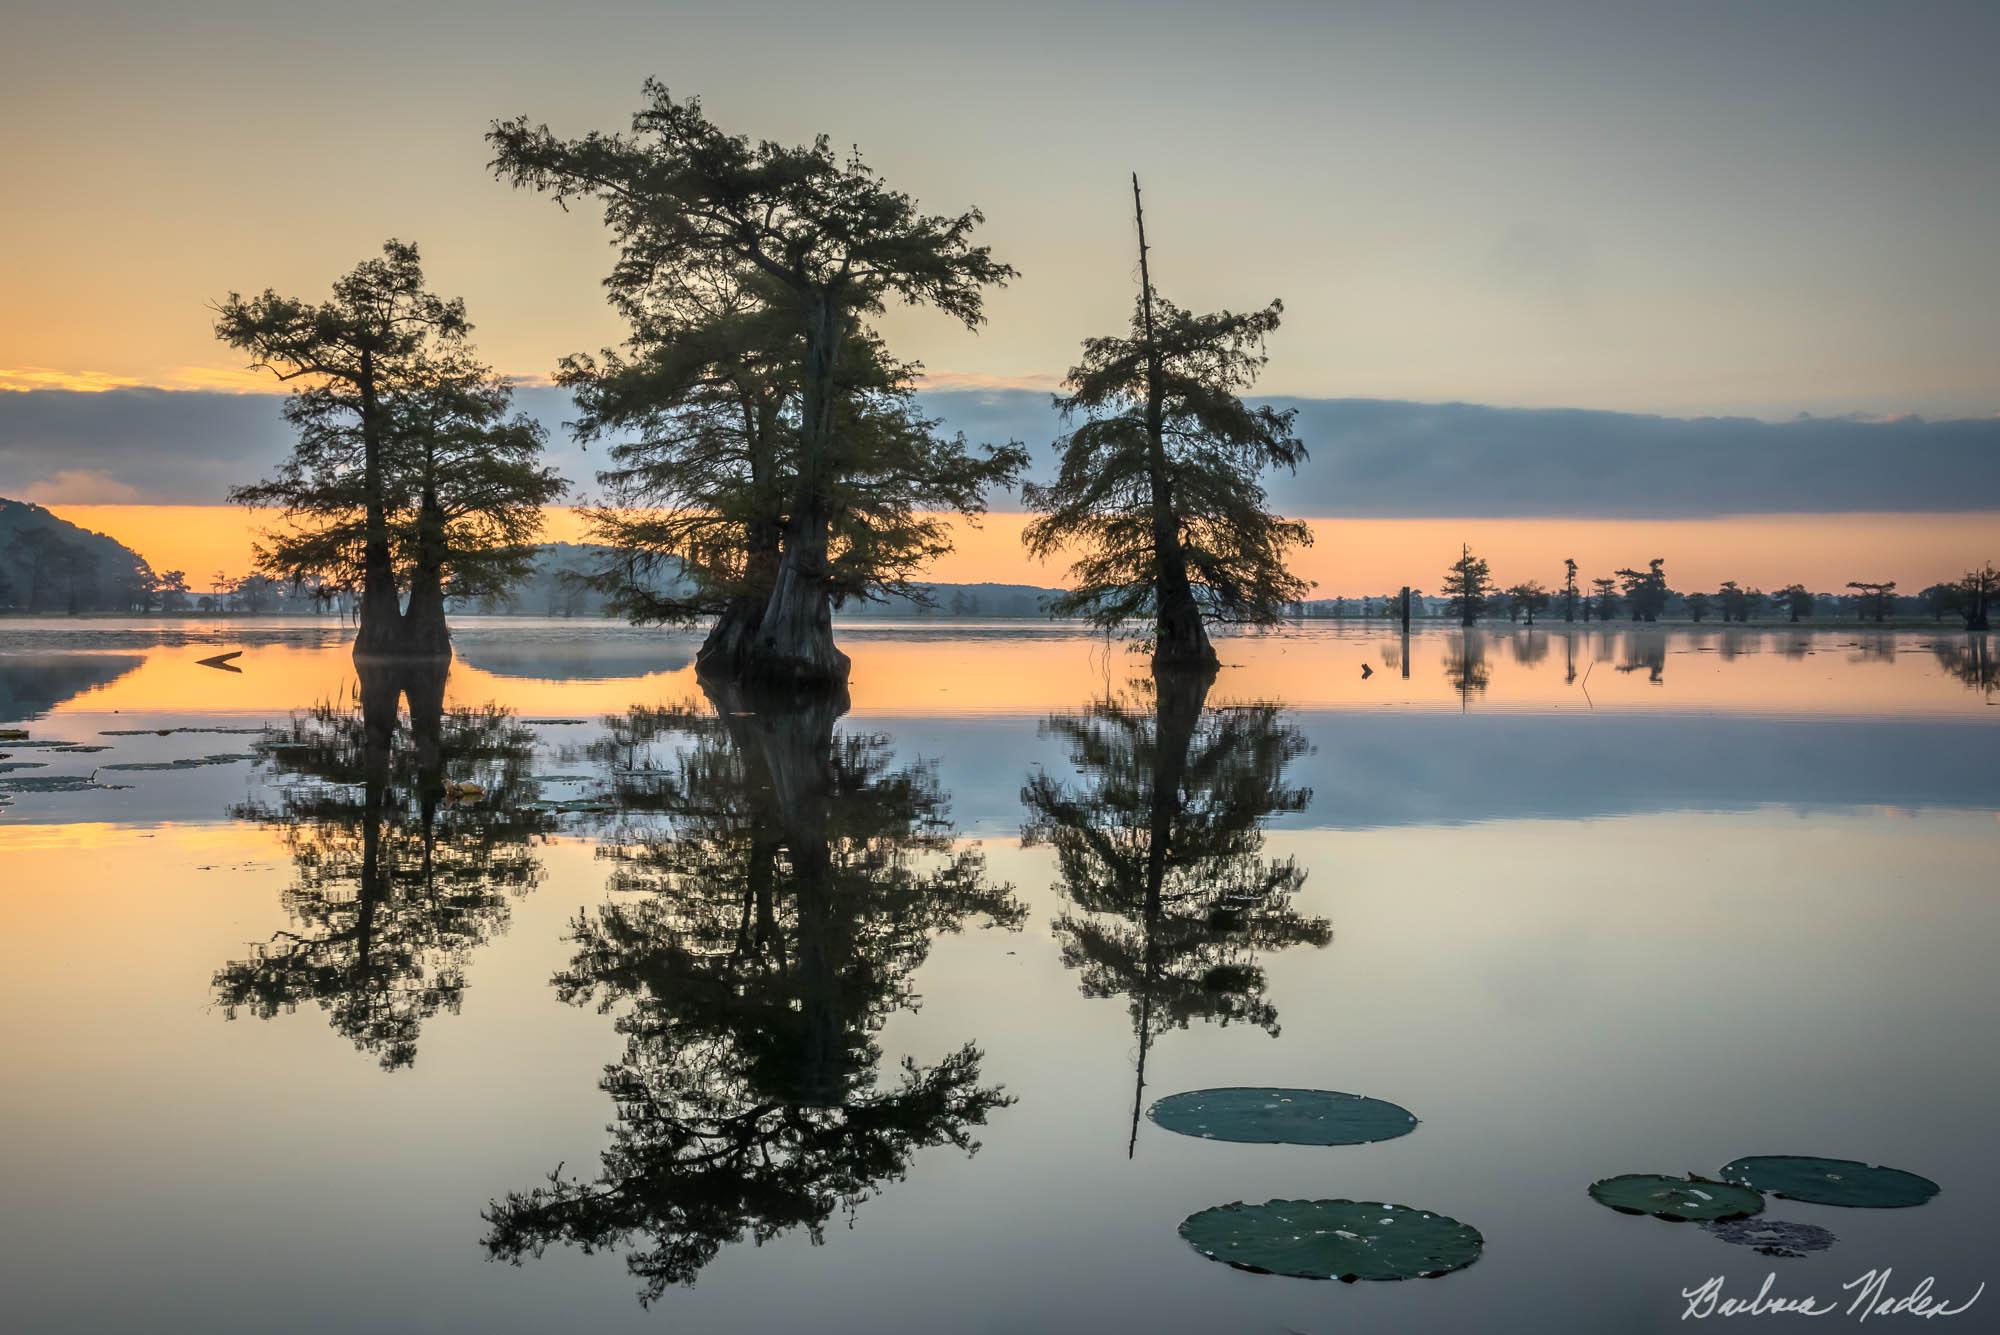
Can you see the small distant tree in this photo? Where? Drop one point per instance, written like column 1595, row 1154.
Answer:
column 1530, row 598
column 1569, row 590
column 1734, row 601
column 1646, row 590
column 1873, row 599
column 1797, row 600
column 173, row 591
column 1467, row 584
column 1977, row 589
column 1697, row 606
column 1606, row 597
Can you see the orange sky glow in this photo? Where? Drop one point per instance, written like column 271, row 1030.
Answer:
column 1349, row 557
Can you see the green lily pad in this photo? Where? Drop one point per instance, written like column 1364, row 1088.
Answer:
column 1676, row 1199
column 1344, row 1240
column 1282, row 1116
column 1801, row 1177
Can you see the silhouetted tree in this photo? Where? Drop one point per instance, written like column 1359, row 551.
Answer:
column 1569, row 590
column 1606, row 598
column 1646, row 590
column 1158, row 844
column 763, row 927
column 1977, row 589
column 1797, row 601
column 1466, row 586
column 1873, row 599
column 823, row 244
column 1697, row 606
column 407, row 471
column 1529, row 598
column 1157, row 491
column 402, row 869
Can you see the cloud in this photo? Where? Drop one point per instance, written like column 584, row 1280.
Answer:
column 79, row 486
column 1373, row 457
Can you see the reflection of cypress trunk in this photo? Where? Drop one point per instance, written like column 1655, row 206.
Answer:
column 380, row 615
column 425, row 634
column 1177, row 702
column 796, row 744
column 379, row 692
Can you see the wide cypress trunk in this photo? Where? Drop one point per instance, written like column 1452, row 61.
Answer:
column 380, row 615
column 424, row 633
column 793, row 647
column 727, row 650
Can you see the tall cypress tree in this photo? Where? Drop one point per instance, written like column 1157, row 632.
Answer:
column 1157, row 493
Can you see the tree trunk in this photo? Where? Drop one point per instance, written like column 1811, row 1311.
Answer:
column 1180, row 641
column 727, row 651
column 794, row 646
column 380, row 617
column 424, row 632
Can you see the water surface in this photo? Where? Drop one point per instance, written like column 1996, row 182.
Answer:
column 559, row 993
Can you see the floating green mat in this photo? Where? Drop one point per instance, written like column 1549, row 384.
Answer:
column 1344, row 1240
column 1676, row 1199
column 1800, row 1177
column 1282, row 1116
column 1773, row 1237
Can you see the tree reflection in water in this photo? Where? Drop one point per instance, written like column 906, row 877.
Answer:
column 1971, row 660
column 763, row 927
column 406, row 844
column 1158, row 843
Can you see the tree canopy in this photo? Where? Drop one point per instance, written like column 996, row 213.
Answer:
column 792, row 250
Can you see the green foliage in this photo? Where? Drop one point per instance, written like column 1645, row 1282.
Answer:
column 1797, row 1177
column 1150, row 497
column 1676, row 1199
column 1282, row 1116
column 1335, row 1239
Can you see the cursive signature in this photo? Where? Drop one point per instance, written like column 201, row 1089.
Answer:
column 1871, row 1297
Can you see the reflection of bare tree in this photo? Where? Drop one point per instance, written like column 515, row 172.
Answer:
column 763, row 927
column 1971, row 660
column 406, row 846
column 1158, row 841
column 1465, row 665
column 1875, row 648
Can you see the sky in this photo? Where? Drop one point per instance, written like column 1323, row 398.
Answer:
column 1668, row 213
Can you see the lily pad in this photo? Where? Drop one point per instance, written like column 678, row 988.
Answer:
column 1773, row 1237
column 1256, row 1116
column 1678, row 1200
column 187, row 762
column 1801, row 1177
column 1344, row 1240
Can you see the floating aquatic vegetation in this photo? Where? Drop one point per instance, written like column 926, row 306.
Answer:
column 1773, row 1237
column 55, row 783
column 168, row 732
column 76, row 749
column 1344, row 1240
column 554, row 722
column 9, row 766
column 1849, row 1182
column 1676, row 1199
column 1259, row 1116
column 186, row 762
column 13, row 734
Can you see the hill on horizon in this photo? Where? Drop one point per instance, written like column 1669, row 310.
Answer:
column 48, row 564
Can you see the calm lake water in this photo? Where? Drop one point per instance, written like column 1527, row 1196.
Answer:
column 559, row 995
